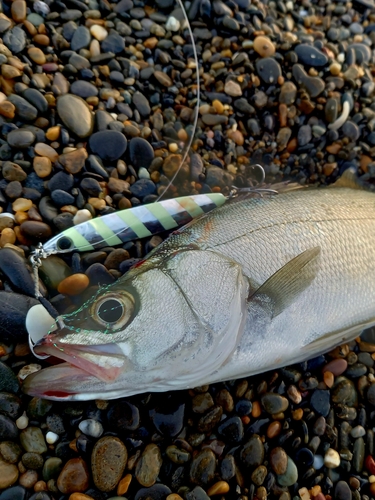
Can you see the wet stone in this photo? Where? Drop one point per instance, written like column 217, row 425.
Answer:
column 8, row 429
column 209, row 420
column 83, row 89
column 108, row 144
column 36, row 230
column 74, row 161
column 197, row 493
column 310, row 55
column 274, row 403
column 168, row 416
column 24, row 109
column 231, row 429
column 148, row 466
column 20, row 138
column 8, row 383
column 202, row 469
column 13, row 172
column 155, row 492
column 358, row 454
column 142, row 104
column 177, row 455
column 37, row 99
column 74, row 476
column 8, row 474
column 61, row 198
column 268, row 69
column 32, row 461
column 10, row 451
column 351, row 130
column 108, row 461
column 227, row 468
column 313, row 84
column 320, row 402
column 32, row 440
column 141, row 152
column 304, row 135
column 81, row 38
column 75, row 114
column 278, row 460
column 252, row 454
column 344, row 392
column 288, row 93
column 290, row 476
column 342, row 491
column 61, row 180
column 259, row 475
column 52, row 468
column 142, row 188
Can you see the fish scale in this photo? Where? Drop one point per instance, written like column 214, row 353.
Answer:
column 284, row 278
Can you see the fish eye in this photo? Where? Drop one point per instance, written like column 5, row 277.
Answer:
column 113, row 310
column 64, row 243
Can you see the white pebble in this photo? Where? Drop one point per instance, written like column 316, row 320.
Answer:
column 91, row 427
column 143, row 173
column 51, row 437
column 82, row 216
column 172, row 24
column 98, row 32
column 318, row 462
column 22, row 422
column 331, row 459
column 357, row 431
column 28, row 370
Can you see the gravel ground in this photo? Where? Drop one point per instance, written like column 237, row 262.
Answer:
column 99, row 109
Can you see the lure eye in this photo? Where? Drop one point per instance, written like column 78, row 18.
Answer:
column 114, row 310
column 64, row 243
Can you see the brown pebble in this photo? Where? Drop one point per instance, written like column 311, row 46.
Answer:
column 74, row 284
column 74, row 161
column 118, row 185
column 8, row 474
column 42, row 166
column 328, row 378
column 97, row 203
column 18, row 11
column 236, row 136
column 42, row 149
column 80, row 496
column 7, row 236
column 22, row 205
column 53, row 133
column 36, row 230
column 297, row 414
column 278, row 460
column 336, row 366
column 174, row 496
column 219, row 488
column 7, row 109
column 40, row 486
column 28, row 479
column 41, row 40
column 148, row 466
column 171, row 164
column 263, row 46
column 108, row 461
column 36, row 55
column 74, row 476
column 365, row 161
column 274, row 429
column 334, row 148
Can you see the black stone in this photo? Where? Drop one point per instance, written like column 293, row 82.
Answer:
column 231, row 429
column 99, row 275
column 24, row 109
column 8, row 380
column 123, row 416
column 168, row 416
column 268, row 69
column 61, row 180
column 320, row 402
column 61, row 198
column 108, row 144
column 91, row 186
column 17, row 270
column 8, row 429
column 37, row 99
column 83, row 89
column 47, row 209
column 13, row 493
column 63, row 221
column 142, row 188
column 113, row 43
column 142, row 104
column 310, row 55
column 141, row 153
column 156, row 492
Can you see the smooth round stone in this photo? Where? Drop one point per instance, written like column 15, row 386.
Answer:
column 83, row 89
column 10, row 451
column 232, row 88
column 141, row 153
column 142, row 104
column 274, row 403
column 231, row 429
column 168, row 416
column 115, row 258
column 91, row 428
column 148, row 466
column 252, row 454
column 290, row 476
column 37, row 99
column 47, row 209
column 197, row 493
column 8, row 474
column 320, row 402
column 142, row 188
column 32, row 461
column 81, row 38
column 15, row 267
column 82, row 216
column 113, row 43
column 210, row 419
column 344, row 392
column 20, row 138
column 99, row 32
column 310, row 55
column 263, row 46
column 61, row 198
column 342, row 491
column 350, row 130
column 155, row 492
column 288, row 93
column 123, row 416
column 52, row 468
column 336, row 367
column 358, row 431
column 318, row 462
column 14, row 493
column 98, row 275
column 74, row 477
column 268, row 69
column 304, row 135
column 108, row 144
column 203, row 466
column 178, row 456
column 74, row 161
column 32, row 440
column 362, row 52
column 36, row 230
column 278, row 460
column 24, row 109
column 358, row 455
column 304, row 457
column 108, row 461
column 74, row 284
column 8, row 429
column 91, row 186
column 13, row 172
column 331, row 458
column 15, row 40
column 75, row 114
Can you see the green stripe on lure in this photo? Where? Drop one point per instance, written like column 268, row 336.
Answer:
column 133, row 223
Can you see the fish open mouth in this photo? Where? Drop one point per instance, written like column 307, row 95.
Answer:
column 105, row 362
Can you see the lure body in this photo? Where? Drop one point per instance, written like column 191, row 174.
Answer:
column 127, row 225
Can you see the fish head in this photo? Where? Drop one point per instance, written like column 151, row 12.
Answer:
column 163, row 325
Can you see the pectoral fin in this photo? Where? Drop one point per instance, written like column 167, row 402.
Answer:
column 290, row 281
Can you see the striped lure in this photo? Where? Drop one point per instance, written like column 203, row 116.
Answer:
column 133, row 223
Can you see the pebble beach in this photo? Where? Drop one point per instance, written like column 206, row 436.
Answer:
column 109, row 105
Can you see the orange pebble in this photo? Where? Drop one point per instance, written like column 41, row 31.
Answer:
column 74, row 284
column 274, row 429
column 174, row 496
column 80, row 496
column 257, row 410
column 245, row 420
column 219, row 488
column 297, row 414
column 328, row 379
column 123, row 485
column 40, row 486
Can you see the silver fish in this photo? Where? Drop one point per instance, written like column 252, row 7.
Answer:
column 254, row 285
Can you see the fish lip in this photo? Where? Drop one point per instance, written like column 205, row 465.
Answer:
column 104, row 361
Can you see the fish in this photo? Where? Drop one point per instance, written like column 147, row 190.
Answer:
column 257, row 284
